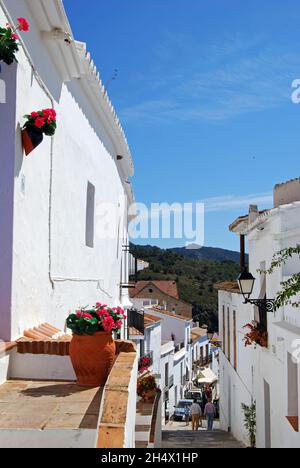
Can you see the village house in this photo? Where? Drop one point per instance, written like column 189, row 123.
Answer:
column 266, row 374
column 162, row 293
column 64, row 240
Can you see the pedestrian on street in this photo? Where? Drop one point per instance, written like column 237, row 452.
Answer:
column 187, row 415
column 210, row 413
column 196, row 415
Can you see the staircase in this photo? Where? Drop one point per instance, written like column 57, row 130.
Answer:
column 143, row 424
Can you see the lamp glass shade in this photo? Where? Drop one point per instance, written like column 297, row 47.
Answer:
column 210, row 335
column 246, row 283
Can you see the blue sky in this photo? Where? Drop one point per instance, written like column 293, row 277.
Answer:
column 204, row 95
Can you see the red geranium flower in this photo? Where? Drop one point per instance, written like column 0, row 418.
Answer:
column 39, row 122
column 23, row 24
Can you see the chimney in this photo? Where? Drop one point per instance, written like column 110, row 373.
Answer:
column 287, row 193
column 253, row 213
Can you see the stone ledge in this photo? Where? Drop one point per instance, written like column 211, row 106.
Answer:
column 113, row 418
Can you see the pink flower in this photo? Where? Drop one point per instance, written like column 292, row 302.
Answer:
column 39, row 122
column 103, row 313
column 23, row 24
column 15, row 36
column 119, row 324
column 108, row 324
column 83, row 315
column 98, row 304
column 35, row 114
column 49, row 114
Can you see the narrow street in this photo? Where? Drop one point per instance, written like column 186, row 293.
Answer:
column 176, row 435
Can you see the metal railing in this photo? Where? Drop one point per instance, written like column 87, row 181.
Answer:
column 171, row 381
column 205, row 361
column 135, row 322
column 129, row 269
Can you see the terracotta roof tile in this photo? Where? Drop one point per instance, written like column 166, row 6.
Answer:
column 170, row 314
column 229, row 286
column 151, row 320
column 40, row 340
column 197, row 333
column 167, row 287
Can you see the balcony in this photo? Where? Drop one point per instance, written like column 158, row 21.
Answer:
column 171, row 381
column 135, row 323
column 129, row 269
column 205, row 361
column 179, row 347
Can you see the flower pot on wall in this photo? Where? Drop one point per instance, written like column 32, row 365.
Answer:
column 31, row 139
column 92, row 358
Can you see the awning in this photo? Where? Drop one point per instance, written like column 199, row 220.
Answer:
column 207, row 376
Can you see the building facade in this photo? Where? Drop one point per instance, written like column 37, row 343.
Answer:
column 55, row 254
column 269, row 375
column 162, row 293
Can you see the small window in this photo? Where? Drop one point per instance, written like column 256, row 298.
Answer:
column 90, row 216
column 146, row 303
column 150, row 291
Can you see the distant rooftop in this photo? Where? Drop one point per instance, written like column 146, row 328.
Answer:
column 229, row 286
column 170, row 314
column 166, row 287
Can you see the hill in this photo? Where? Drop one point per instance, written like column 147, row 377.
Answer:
column 195, row 277
column 210, row 254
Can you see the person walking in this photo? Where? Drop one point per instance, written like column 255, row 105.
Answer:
column 210, row 413
column 196, row 415
column 187, row 415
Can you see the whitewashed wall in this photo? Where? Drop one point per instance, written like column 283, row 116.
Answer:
column 54, row 272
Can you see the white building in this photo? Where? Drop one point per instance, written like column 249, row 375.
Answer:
column 269, row 376
column 63, row 222
column 54, row 253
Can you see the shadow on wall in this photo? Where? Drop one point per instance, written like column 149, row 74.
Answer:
column 81, row 100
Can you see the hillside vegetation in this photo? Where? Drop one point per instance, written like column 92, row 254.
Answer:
column 195, row 278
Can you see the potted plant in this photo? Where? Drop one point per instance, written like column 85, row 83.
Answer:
column 147, row 388
column 92, row 349
column 37, row 124
column 8, row 41
column 257, row 336
column 250, row 422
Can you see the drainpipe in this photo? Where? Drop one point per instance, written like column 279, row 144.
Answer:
column 242, row 252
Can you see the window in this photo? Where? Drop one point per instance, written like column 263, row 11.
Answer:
column 228, row 335
column 167, row 375
column 150, row 291
column 90, row 216
column 146, row 303
column 235, row 340
column 293, row 393
column 224, row 332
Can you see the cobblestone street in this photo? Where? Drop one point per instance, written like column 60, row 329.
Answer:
column 177, row 435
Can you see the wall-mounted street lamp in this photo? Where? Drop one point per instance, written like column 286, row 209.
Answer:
column 210, row 334
column 246, row 283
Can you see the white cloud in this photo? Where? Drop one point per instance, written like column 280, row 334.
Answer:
column 212, row 82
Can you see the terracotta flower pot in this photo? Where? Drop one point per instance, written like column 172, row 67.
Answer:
column 92, row 358
column 31, row 138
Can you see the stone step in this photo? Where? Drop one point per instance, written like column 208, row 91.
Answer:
column 141, row 445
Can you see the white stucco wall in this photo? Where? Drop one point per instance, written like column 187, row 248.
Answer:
column 54, row 272
column 153, row 344
column 173, row 325
column 260, row 366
